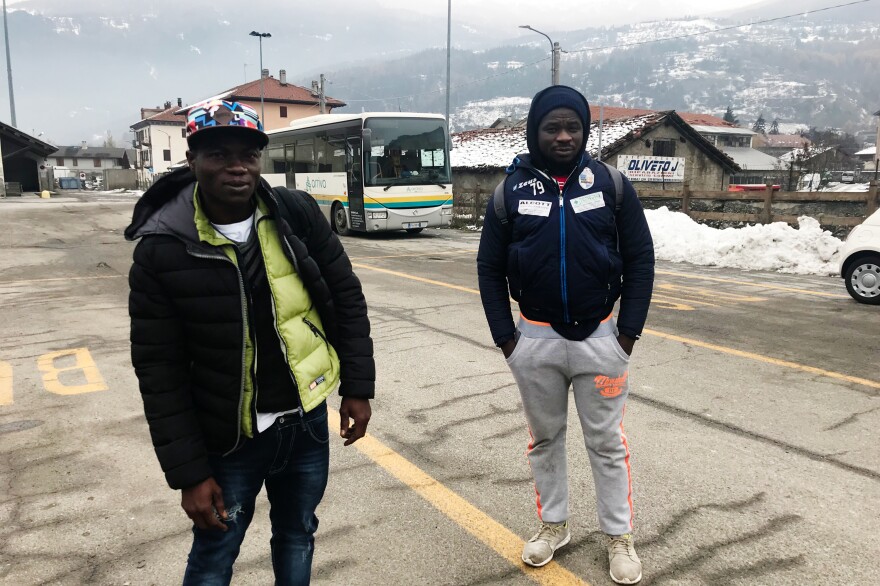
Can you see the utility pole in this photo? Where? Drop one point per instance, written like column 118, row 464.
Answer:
column 448, row 58
column 9, row 64
column 556, row 62
column 322, row 99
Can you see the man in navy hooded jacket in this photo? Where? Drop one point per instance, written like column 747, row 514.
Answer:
column 566, row 254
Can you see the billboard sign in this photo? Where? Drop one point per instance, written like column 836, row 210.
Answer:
column 648, row 168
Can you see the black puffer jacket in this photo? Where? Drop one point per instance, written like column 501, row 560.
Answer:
column 187, row 320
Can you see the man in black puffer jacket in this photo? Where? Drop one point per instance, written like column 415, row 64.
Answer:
column 567, row 249
column 245, row 316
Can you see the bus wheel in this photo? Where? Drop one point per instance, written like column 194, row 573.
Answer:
column 414, row 230
column 340, row 220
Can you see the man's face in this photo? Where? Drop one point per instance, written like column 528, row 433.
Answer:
column 227, row 169
column 561, row 137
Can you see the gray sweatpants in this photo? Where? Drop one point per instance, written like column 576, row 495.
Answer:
column 545, row 365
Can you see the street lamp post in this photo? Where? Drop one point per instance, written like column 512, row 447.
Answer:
column 8, row 63
column 554, row 53
column 261, row 36
column 170, row 157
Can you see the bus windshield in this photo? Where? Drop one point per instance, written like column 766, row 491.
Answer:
column 406, row 151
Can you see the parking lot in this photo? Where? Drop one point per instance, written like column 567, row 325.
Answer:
column 753, row 420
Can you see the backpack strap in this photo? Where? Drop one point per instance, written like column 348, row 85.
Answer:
column 498, row 203
column 617, row 179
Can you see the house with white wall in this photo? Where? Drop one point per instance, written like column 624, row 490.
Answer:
column 160, row 140
column 86, row 162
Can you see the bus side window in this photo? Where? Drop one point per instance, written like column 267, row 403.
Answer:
column 304, row 156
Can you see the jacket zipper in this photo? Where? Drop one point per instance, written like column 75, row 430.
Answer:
column 245, row 319
column 562, row 268
column 317, row 331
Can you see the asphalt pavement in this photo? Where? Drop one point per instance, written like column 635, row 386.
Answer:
column 752, row 422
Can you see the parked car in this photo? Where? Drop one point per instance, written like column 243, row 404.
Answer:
column 860, row 261
column 848, row 177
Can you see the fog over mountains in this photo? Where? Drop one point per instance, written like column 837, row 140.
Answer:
column 83, row 68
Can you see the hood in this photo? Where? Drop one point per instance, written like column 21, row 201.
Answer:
column 555, row 96
column 166, row 208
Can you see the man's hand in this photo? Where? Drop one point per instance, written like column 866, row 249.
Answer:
column 508, row 347
column 360, row 411
column 626, row 343
column 203, row 504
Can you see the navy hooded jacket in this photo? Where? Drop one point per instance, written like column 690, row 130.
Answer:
column 565, row 256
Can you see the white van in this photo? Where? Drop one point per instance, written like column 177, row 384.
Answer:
column 848, row 177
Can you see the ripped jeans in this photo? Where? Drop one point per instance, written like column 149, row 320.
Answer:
column 292, row 457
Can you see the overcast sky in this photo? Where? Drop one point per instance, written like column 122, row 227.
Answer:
column 566, row 14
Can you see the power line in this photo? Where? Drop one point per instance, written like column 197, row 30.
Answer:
column 718, row 30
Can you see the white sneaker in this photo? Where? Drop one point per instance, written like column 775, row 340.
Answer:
column 538, row 550
column 624, row 565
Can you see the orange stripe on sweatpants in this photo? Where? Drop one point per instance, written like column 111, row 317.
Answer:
column 629, row 481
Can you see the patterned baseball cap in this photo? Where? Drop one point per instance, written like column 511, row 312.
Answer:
column 222, row 114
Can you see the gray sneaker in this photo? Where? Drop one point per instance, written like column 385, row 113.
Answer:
column 538, row 550
column 625, row 566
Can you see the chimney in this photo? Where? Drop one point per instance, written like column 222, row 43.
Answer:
column 282, row 76
column 167, row 105
column 179, row 102
column 85, row 145
column 265, row 73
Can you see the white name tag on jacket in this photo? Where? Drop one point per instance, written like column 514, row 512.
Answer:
column 534, row 207
column 588, row 202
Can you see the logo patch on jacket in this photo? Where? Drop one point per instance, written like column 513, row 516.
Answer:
column 316, row 382
column 586, row 178
column 534, row 207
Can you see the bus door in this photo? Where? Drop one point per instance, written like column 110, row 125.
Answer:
column 354, row 167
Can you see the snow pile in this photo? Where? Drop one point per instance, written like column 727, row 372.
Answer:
column 805, row 250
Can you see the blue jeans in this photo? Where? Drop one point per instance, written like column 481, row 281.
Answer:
column 292, row 457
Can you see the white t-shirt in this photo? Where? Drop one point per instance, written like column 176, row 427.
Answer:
column 240, row 232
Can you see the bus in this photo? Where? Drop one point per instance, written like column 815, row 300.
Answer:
column 369, row 172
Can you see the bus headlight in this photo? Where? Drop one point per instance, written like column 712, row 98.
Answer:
column 383, row 215
column 446, row 212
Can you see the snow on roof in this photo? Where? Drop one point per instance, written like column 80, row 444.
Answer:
column 786, row 140
column 868, row 151
column 751, row 159
column 705, row 129
column 496, row 147
column 799, row 153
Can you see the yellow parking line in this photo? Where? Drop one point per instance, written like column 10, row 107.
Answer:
column 415, row 278
column 447, row 252
column 767, row 359
column 757, row 285
column 717, row 348
column 492, row 533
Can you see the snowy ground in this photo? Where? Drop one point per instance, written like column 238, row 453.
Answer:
column 805, row 250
